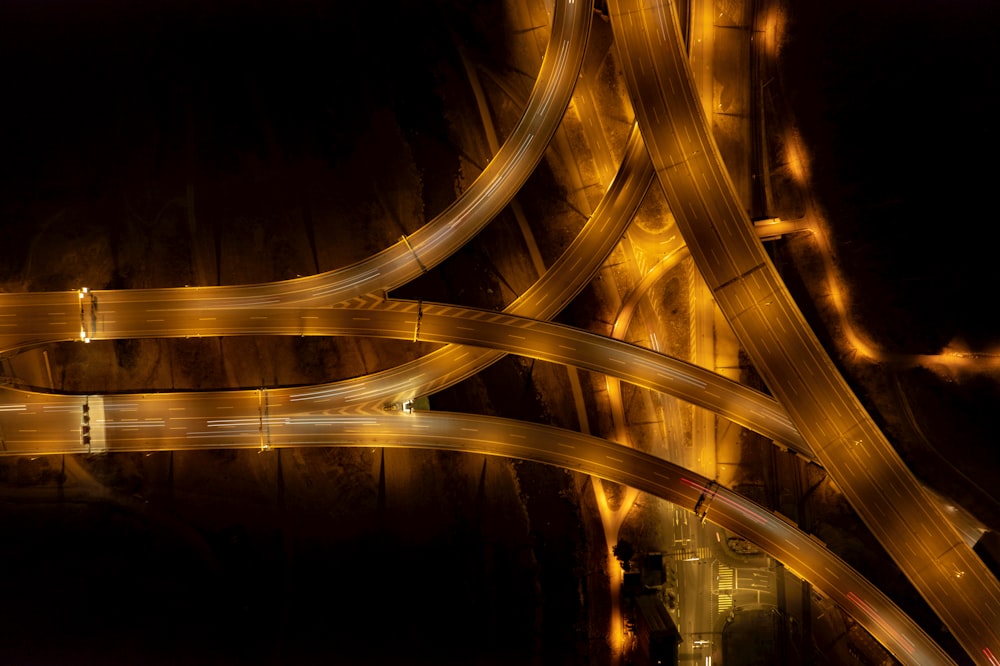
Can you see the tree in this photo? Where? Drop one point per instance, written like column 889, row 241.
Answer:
column 623, row 551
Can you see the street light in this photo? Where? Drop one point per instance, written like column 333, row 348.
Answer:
column 83, row 328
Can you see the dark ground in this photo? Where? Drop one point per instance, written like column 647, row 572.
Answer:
column 281, row 118
column 893, row 100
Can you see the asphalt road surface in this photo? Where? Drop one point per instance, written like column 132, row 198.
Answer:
column 765, row 319
column 822, row 415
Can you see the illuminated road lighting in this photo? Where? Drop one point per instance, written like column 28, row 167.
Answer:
column 148, row 423
column 907, row 645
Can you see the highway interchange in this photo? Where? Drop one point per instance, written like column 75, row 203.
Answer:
column 769, row 325
column 815, row 414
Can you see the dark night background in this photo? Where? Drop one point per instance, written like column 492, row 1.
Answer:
column 895, row 100
column 107, row 102
column 896, row 103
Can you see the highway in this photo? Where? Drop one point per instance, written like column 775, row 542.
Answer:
column 769, row 325
column 431, row 322
column 830, row 420
column 463, row 328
